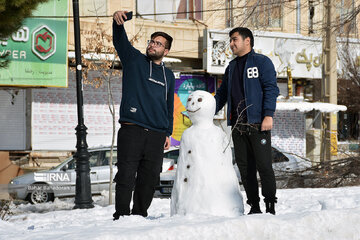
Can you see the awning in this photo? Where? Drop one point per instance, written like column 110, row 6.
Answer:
column 105, row 56
column 171, row 60
column 309, row 106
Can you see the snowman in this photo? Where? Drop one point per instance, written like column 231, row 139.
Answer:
column 205, row 181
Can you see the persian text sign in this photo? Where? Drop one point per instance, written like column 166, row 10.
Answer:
column 302, row 54
column 38, row 50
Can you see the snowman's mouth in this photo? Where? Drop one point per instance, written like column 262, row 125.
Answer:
column 194, row 110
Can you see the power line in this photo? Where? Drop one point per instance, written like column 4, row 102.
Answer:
column 148, row 14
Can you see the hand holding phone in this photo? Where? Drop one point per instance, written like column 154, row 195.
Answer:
column 120, row 17
column 129, row 16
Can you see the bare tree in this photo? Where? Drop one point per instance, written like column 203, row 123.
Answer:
column 12, row 15
column 239, row 124
column 6, row 210
column 332, row 173
column 349, row 78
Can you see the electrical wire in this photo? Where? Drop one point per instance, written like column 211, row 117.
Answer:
column 154, row 14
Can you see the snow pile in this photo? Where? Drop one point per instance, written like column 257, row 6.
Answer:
column 319, row 214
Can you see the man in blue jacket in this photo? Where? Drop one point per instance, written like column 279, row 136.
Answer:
column 250, row 90
column 146, row 118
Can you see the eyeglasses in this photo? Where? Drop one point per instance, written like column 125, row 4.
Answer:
column 155, row 43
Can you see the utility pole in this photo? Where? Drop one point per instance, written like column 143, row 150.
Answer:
column 83, row 185
column 329, row 83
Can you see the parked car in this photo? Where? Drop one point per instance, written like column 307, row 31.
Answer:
column 167, row 177
column 43, row 186
column 283, row 164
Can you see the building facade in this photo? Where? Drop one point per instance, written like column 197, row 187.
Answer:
column 287, row 31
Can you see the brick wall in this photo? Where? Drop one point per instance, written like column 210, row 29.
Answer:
column 288, row 133
column 54, row 115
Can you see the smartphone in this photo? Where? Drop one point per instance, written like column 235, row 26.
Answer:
column 129, row 16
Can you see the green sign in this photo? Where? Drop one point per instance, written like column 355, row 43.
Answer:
column 38, row 50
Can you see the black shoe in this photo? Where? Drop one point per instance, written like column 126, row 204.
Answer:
column 270, row 207
column 116, row 216
column 255, row 208
column 119, row 214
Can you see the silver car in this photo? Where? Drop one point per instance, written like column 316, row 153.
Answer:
column 283, row 165
column 44, row 186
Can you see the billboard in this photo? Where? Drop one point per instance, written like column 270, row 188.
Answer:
column 183, row 88
column 302, row 54
column 38, row 50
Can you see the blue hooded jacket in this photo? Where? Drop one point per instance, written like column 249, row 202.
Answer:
column 147, row 89
column 260, row 88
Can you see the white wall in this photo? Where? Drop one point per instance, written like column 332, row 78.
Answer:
column 54, row 116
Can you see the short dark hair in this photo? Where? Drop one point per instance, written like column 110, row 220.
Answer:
column 168, row 38
column 244, row 33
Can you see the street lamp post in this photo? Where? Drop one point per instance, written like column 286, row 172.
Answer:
column 83, row 186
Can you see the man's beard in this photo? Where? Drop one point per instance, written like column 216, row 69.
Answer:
column 154, row 56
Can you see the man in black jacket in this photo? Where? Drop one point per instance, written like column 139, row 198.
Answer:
column 250, row 90
column 146, row 118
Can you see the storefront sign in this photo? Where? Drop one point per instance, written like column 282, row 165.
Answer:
column 183, row 88
column 302, row 54
column 38, row 50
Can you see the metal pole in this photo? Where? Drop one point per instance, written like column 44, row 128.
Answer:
column 298, row 16
column 83, row 186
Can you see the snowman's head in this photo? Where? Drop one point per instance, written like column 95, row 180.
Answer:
column 201, row 107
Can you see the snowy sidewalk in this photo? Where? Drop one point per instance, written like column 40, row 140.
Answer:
column 329, row 214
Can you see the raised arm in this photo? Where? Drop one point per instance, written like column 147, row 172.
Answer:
column 120, row 40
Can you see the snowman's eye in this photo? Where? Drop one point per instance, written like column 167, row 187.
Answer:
column 189, row 99
column 200, row 100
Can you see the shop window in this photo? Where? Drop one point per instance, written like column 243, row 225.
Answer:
column 345, row 14
column 159, row 10
column 265, row 13
column 311, row 16
column 189, row 9
column 348, row 125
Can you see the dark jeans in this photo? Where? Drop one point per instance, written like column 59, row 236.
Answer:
column 140, row 154
column 253, row 153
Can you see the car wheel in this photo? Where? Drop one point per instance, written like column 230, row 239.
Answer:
column 40, row 194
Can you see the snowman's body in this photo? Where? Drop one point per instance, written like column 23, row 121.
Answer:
column 206, row 182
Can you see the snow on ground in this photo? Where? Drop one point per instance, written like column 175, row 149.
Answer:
column 329, row 214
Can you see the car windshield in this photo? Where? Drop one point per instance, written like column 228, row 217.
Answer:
column 174, row 154
column 94, row 160
column 107, row 158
